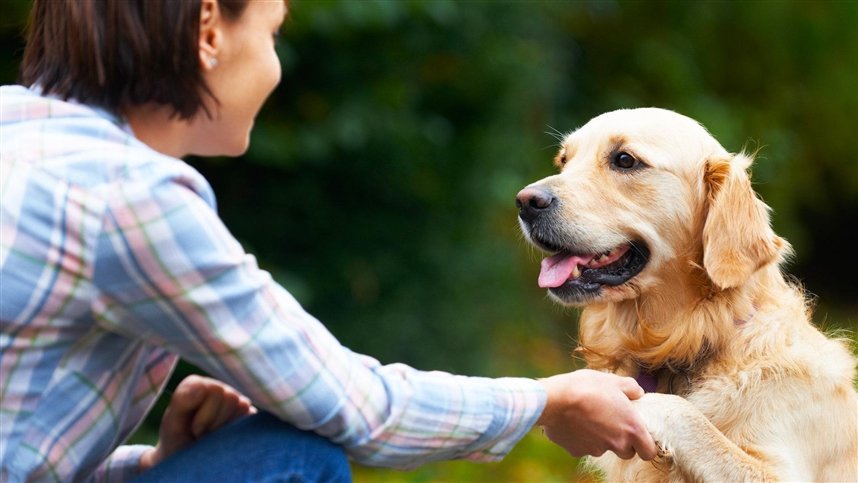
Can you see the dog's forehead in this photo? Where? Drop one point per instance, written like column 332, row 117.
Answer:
column 645, row 128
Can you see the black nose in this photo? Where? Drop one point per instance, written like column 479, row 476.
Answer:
column 533, row 202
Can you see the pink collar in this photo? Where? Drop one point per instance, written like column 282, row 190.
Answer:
column 647, row 380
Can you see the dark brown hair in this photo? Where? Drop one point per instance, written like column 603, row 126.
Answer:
column 119, row 53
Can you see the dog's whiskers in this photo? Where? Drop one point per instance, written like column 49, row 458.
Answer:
column 556, row 134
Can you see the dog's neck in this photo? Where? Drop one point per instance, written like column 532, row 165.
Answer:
column 678, row 381
column 678, row 331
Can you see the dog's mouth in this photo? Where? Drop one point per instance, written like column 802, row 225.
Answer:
column 571, row 275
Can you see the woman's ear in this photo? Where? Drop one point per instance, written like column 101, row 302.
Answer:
column 211, row 34
column 737, row 237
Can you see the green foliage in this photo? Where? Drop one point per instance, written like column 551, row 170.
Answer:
column 534, row 459
column 380, row 184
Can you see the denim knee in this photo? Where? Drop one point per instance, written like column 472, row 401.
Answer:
column 258, row 448
column 323, row 461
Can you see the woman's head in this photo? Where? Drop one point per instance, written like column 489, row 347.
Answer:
column 208, row 63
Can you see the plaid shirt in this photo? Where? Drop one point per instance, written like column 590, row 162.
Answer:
column 113, row 263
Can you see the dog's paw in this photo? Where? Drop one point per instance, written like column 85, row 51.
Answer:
column 663, row 460
column 663, row 415
column 664, row 452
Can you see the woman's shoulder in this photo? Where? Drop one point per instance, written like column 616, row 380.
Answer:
column 40, row 127
column 80, row 144
column 23, row 105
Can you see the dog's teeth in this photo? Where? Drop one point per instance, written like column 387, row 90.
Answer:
column 603, row 258
column 576, row 272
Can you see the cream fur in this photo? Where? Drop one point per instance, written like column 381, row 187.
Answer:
column 765, row 395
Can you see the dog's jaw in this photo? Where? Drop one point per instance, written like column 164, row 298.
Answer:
column 576, row 276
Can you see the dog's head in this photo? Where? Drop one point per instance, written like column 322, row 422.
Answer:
column 644, row 198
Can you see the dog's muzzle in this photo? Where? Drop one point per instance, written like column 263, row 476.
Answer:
column 574, row 271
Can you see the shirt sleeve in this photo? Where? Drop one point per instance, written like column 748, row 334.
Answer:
column 122, row 465
column 169, row 272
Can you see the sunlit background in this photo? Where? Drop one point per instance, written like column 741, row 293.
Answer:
column 380, row 184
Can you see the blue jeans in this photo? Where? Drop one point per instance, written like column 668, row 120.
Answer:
column 257, row 448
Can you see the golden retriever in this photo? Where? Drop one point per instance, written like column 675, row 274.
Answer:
column 655, row 229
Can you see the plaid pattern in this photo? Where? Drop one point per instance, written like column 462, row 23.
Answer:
column 113, row 263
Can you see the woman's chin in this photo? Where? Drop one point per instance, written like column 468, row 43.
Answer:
column 229, row 149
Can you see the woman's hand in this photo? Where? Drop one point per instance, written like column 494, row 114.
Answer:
column 590, row 412
column 199, row 406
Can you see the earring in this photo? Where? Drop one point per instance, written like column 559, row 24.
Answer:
column 212, row 62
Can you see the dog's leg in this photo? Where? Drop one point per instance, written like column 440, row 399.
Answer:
column 699, row 451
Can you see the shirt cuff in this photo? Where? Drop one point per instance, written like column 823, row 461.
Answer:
column 122, row 465
column 518, row 403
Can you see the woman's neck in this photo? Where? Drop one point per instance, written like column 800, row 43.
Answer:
column 158, row 127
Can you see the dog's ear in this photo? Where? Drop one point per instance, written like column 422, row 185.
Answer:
column 737, row 237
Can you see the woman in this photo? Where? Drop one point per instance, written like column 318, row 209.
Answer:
column 114, row 263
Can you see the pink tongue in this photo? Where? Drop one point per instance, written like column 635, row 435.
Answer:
column 557, row 269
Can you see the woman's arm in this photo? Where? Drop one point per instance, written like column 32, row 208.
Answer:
column 169, row 272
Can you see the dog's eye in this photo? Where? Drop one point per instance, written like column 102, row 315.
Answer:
column 624, row 160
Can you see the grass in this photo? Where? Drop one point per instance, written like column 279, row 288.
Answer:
column 534, row 459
